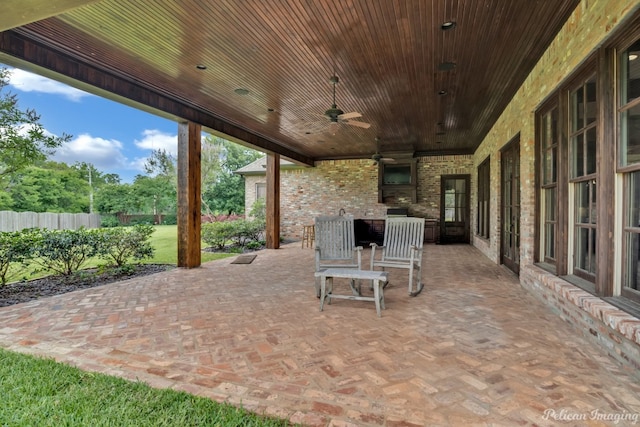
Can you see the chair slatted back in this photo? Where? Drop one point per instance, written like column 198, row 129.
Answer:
column 400, row 234
column 335, row 237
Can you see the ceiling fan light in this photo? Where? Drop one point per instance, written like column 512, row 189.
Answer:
column 446, row 66
column 449, row 25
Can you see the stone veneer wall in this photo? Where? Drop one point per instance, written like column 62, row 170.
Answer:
column 590, row 24
column 352, row 185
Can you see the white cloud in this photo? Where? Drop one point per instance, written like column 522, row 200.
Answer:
column 29, row 82
column 154, row 139
column 105, row 155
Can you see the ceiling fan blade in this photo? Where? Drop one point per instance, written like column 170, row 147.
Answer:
column 347, row 116
column 359, row 124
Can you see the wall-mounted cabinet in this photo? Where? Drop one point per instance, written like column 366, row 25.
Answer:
column 398, row 178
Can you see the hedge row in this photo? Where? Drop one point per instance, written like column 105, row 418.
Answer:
column 66, row 251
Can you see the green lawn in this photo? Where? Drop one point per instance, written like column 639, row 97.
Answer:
column 164, row 240
column 42, row 392
column 165, row 243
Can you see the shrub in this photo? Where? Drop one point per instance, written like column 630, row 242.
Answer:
column 169, row 219
column 259, row 209
column 109, row 221
column 240, row 232
column 15, row 247
column 142, row 219
column 217, row 234
column 120, row 244
column 65, row 251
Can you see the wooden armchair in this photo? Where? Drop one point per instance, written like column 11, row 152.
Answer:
column 402, row 248
column 336, row 245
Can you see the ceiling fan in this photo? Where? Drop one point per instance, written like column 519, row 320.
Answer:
column 336, row 115
column 377, row 157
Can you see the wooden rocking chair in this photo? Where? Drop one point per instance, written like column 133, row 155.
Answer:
column 402, row 248
column 336, row 246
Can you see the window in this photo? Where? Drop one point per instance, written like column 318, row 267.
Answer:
column 588, row 174
column 631, row 250
column 548, row 134
column 261, row 191
column 629, row 164
column 484, row 185
column 582, row 137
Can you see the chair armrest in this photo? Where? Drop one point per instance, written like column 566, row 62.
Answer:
column 416, row 252
column 374, row 246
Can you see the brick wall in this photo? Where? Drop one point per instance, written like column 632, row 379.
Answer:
column 352, row 185
column 617, row 332
column 590, row 24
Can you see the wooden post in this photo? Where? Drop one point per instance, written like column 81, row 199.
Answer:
column 273, row 201
column 189, row 195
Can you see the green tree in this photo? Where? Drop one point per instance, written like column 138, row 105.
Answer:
column 154, row 195
column 113, row 198
column 23, row 140
column 157, row 192
column 49, row 187
column 223, row 192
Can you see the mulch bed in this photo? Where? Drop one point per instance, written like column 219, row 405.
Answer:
column 19, row 292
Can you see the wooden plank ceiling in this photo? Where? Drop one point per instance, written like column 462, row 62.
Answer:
column 267, row 65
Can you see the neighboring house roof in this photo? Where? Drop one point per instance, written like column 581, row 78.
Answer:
column 259, row 167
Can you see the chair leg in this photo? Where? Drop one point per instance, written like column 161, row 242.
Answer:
column 419, row 285
column 317, row 286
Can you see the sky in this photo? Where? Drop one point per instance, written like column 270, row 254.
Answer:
column 111, row 136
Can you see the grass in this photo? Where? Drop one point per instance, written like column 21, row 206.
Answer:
column 42, row 392
column 164, row 241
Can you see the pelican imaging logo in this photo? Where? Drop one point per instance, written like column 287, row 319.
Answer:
column 565, row 415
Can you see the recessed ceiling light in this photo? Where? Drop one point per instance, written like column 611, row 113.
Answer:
column 442, row 92
column 201, row 67
column 446, row 66
column 242, row 91
column 449, row 25
column 633, row 56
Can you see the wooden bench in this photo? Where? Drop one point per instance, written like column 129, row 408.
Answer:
column 378, row 278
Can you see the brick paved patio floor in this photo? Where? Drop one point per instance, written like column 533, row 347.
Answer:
column 473, row 348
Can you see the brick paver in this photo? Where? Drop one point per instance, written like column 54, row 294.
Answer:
column 473, row 348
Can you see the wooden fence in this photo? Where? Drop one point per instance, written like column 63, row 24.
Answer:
column 15, row 221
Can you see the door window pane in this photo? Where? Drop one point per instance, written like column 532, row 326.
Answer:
column 582, row 202
column 631, row 263
column 591, row 108
column 590, row 153
column 630, row 136
column 633, row 198
column 577, row 110
column 578, row 155
column 632, row 271
column 630, row 73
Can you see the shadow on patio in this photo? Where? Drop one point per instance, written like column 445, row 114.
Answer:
column 473, row 347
